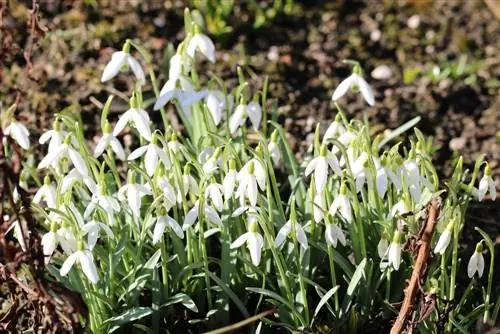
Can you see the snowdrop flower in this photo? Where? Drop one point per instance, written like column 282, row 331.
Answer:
column 254, row 111
column 56, row 136
column 212, row 162
column 66, row 237
column 49, row 242
column 133, row 192
column 65, row 151
column 108, row 139
column 189, row 185
column 168, row 190
column 342, row 204
column 176, row 66
column 358, row 168
column 153, row 154
column 202, row 43
column 273, row 148
column 22, row 185
column 444, row 239
column 74, row 176
column 251, row 175
column 238, row 118
column 411, row 172
column 214, row 192
column 161, row 223
column 229, row 182
column 486, row 184
column 92, row 229
column 476, row 262
column 138, row 117
column 291, row 226
column 400, row 208
column 320, row 167
column 319, row 206
column 395, row 250
column 173, row 144
column 335, row 129
column 355, row 82
column 19, row 133
column 86, row 260
column 192, row 215
column 47, row 192
column 18, row 233
column 120, row 60
column 334, row 234
column 253, row 239
column 384, row 174
column 185, row 94
column 216, row 103
column 107, row 202
column 382, row 247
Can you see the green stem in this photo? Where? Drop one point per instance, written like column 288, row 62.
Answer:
column 333, row 277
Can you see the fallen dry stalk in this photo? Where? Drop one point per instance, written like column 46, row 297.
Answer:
column 243, row 323
column 418, row 275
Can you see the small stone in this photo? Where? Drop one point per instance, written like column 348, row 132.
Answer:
column 375, row 35
column 457, row 144
column 273, row 54
column 382, row 72
column 413, row 22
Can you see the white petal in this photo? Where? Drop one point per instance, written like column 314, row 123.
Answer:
column 88, row 266
column 282, row 234
column 49, row 244
column 164, row 99
column 252, row 191
column 137, row 70
column 240, row 240
column 164, row 158
column 381, row 181
column 492, row 189
column 212, row 215
column 260, row 174
column 45, row 136
column 342, row 88
column 321, row 174
column 228, row 184
column 254, row 243
column 159, row 229
column 443, row 242
column 122, row 122
column 472, row 265
column 175, row 227
column 49, row 159
column 214, row 106
column 255, row 114
column 78, row 162
column 301, row 236
column 480, row 264
column 311, row 166
column 117, row 148
column 175, row 68
column 20, row 133
column 151, row 159
column 113, row 67
column 138, row 152
column 366, row 91
column 142, row 125
column 191, row 217
column 101, row 145
column 382, row 247
column 216, row 197
column 66, row 267
column 395, row 255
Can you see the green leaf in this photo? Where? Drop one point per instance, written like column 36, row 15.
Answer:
column 130, row 315
column 402, row 129
column 184, row 299
column 356, row 278
column 239, row 304
column 324, row 300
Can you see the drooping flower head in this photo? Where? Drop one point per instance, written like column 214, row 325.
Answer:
column 121, row 60
column 356, row 83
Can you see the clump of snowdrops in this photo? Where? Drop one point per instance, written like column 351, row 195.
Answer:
column 196, row 227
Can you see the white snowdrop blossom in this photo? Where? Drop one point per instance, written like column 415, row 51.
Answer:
column 229, row 182
column 189, row 185
column 213, row 192
column 238, row 118
column 162, row 223
column 47, row 193
column 86, row 260
column 133, row 192
column 216, row 103
column 342, row 204
column 212, row 161
column 253, row 239
column 49, row 243
column 107, row 202
column 297, row 231
column 319, row 207
column 18, row 233
column 65, row 151
column 108, row 139
column 394, row 253
column 56, row 136
column 335, row 129
column 476, row 262
column 400, row 208
column 249, row 177
column 192, row 215
column 181, row 89
column 120, row 60
column 486, row 184
column 92, row 230
column 168, row 190
column 153, row 153
column 254, row 111
column 202, row 43
column 320, row 166
column 73, row 177
column 382, row 247
column 136, row 116
column 355, row 82
column 19, row 133
column 334, row 234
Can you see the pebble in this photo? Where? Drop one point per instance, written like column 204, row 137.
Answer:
column 375, row 35
column 273, row 53
column 413, row 22
column 382, row 72
column 457, row 144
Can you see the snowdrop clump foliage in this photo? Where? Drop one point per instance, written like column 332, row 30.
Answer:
column 201, row 219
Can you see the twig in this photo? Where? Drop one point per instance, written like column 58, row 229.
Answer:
column 243, row 323
column 418, row 269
